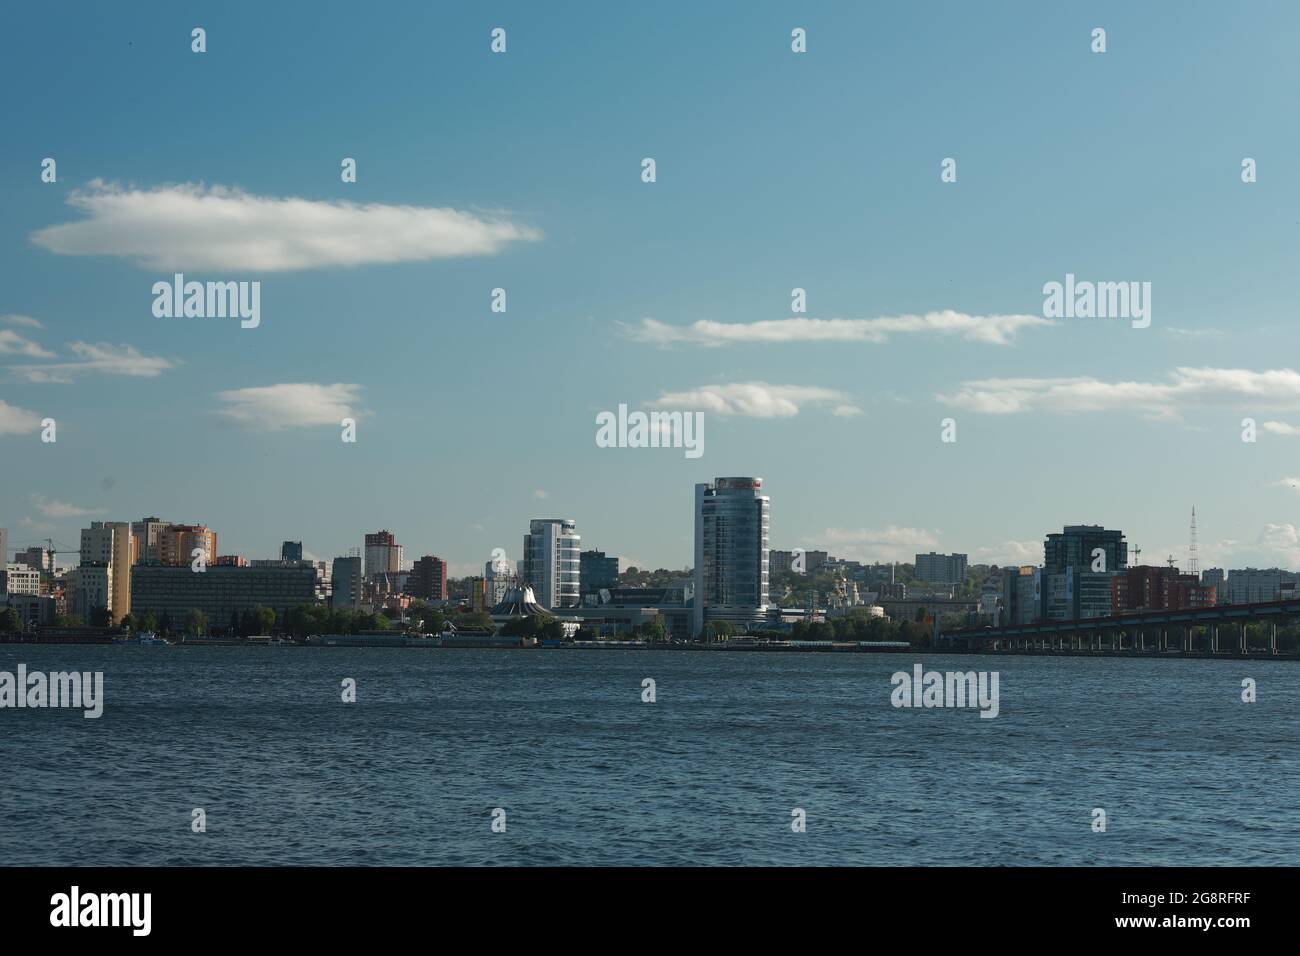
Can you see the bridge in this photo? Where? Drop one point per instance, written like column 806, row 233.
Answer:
column 1203, row 631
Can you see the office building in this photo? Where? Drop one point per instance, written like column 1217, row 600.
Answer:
column 37, row 558
column 147, row 532
column 597, row 571
column 941, row 568
column 291, row 551
column 476, row 594
column 1021, row 595
column 1253, row 586
column 4, row 546
column 498, row 574
column 428, row 579
column 731, row 553
column 90, row 589
column 345, row 582
column 176, row 545
column 383, row 553
column 222, row 592
column 553, row 562
column 35, row 610
column 109, row 543
column 19, row 579
column 1075, row 547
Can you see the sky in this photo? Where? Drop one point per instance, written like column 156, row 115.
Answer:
column 774, row 170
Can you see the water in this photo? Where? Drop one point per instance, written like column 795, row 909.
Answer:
column 588, row 774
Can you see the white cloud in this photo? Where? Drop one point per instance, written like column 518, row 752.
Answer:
column 190, row 226
column 752, row 399
column 1289, row 482
column 541, row 494
column 291, row 405
column 24, row 320
column 1280, row 428
column 17, row 421
column 11, row 343
column 989, row 329
column 891, row 543
column 98, row 357
column 1185, row 387
column 61, row 509
column 846, row 411
column 1011, row 554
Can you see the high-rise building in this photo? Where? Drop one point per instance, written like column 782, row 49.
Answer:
column 597, row 571
column 176, row 544
column 109, row 543
column 346, row 582
column 498, row 573
column 1252, row 586
column 383, row 553
column 476, row 589
column 19, row 579
column 147, row 532
column 222, row 592
column 90, row 589
column 4, row 546
column 1021, row 596
column 1075, row 546
column 731, row 553
column 941, row 568
column 37, row 558
column 428, row 579
column 552, row 561
column 291, row 551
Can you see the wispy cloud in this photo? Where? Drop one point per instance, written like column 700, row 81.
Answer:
column 1011, row 553
column 61, row 509
column 291, row 405
column 1289, row 482
column 17, row 421
column 1280, row 428
column 1184, row 387
column 989, row 329
column 26, row 321
column 754, row 399
column 11, row 343
column 102, row 358
column 191, row 226
column 891, row 543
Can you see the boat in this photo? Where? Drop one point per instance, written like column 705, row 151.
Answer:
column 147, row 638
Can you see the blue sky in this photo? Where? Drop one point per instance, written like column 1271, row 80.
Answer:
column 775, row 170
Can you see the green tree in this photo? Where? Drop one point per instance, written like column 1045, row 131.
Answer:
column 263, row 619
column 149, row 622
column 10, row 622
column 196, row 622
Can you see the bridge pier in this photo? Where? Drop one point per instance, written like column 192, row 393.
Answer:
column 1214, row 638
column 1243, row 644
column 1272, row 640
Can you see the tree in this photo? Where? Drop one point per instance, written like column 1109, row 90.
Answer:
column 263, row 619
column 149, row 622
column 10, row 622
column 128, row 622
column 196, row 622
column 100, row 617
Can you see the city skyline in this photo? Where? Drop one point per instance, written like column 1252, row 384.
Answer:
column 923, row 303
